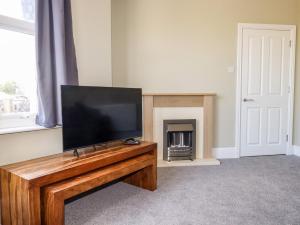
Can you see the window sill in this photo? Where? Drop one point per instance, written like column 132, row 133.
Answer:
column 24, row 129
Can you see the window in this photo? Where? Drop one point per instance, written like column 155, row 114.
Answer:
column 18, row 86
column 18, row 9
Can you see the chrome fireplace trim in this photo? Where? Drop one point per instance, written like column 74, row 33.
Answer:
column 184, row 129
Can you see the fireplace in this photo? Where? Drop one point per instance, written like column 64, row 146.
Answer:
column 179, row 141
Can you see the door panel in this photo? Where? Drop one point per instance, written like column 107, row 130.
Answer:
column 274, row 114
column 254, row 126
column 255, row 67
column 265, row 80
column 276, row 66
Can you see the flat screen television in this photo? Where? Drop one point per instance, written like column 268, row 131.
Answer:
column 95, row 115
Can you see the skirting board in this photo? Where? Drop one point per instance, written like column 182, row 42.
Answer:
column 296, row 150
column 233, row 153
column 226, row 153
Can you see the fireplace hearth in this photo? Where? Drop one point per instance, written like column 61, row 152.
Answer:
column 179, row 140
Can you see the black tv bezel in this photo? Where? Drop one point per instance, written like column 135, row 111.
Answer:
column 106, row 142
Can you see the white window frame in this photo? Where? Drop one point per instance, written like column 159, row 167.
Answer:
column 17, row 25
column 26, row 27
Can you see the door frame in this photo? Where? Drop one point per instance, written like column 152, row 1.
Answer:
column 292, row 29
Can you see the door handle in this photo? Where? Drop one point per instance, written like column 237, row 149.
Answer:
column 248, row 100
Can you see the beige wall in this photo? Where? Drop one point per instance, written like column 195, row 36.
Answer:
column 92, row 33
column 93, row 48
column 29, row 145
column 297, row 84
column 156, row 44
column 187, row 46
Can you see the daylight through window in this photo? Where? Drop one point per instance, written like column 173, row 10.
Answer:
column 18, row 86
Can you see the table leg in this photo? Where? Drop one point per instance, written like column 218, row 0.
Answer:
column 20, row 203
column 54, row 209
column 147, row 177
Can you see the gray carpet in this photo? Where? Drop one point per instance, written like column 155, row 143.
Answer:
column 262, row 191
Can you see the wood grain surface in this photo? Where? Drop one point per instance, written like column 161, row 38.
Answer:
column 22, row 183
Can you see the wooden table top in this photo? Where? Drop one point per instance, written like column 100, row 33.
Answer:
column 42, row 169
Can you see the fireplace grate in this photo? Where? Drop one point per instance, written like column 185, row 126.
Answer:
column 179, row 140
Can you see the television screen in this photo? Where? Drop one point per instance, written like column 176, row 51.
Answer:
column 94, row 115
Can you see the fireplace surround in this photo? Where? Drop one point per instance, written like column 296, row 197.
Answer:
column 156, row 105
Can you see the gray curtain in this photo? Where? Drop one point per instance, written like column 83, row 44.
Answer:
column 56, row 58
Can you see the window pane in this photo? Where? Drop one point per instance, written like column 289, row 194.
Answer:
column 18, row 86
column 19, row 9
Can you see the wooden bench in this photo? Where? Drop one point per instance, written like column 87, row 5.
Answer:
column 55, row 195
column 33, row 192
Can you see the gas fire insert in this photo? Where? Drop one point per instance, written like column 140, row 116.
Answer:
column 179, row 140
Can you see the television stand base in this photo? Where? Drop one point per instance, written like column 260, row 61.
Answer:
column 76, row 153
column 132, row 141
column 34, row 191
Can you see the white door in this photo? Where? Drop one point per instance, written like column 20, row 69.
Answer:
column 265, row 91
